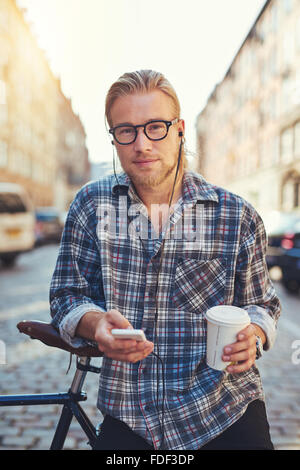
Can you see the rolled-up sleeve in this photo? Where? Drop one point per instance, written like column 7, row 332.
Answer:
column 76, row 285
column 254, row 290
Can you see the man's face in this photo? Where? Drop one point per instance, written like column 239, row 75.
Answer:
column 148, row 163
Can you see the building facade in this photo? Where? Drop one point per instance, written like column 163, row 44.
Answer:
column 30, row 110
column 248, row 134
column 73, row 167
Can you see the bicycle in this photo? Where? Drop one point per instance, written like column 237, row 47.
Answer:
column 48, row 335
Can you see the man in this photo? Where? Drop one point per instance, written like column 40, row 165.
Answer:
column 155, row 248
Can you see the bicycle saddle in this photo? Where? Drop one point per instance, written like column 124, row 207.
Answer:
column 48, row 335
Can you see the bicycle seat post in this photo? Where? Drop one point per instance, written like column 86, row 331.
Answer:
column 80, row 375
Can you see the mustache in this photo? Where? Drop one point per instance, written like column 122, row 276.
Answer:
column 144, row 157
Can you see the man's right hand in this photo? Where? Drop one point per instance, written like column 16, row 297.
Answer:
column 99, row 329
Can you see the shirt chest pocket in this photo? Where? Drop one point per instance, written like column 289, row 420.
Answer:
column 199, row 285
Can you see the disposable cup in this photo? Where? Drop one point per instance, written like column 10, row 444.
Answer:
column 224, row 322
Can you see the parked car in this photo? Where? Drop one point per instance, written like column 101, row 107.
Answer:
column 290, row 261
column 48, row 226
column 281, row 228
column 16, row 222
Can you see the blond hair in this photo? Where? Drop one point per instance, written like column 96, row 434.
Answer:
column 142, row 81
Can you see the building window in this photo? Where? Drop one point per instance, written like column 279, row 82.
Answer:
column 274, row 18
column 3, row 154
column 2, row 93
column 296, row 89
column 4, row 19
column 36, row 171
column 288, row 196
column 291, row 193
column 3, row 106
column 265, row 154
column 287, row 5
column 263, row 73
column 298, row 34
column 273, row 61
column 3, row 114
column 288, row 48
column 287, row 90
column 296, row 194
column 26, row 166
column 287, row 146
column 297, row 140
column 13, row 162
column 273, row 105
column 275, row 150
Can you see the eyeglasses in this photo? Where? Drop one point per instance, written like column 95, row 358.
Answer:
column 154, row 130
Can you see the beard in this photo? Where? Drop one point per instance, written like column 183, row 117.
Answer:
column 154, row 180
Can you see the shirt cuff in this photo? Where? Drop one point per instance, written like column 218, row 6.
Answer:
column 69, row 324
column 260, row 317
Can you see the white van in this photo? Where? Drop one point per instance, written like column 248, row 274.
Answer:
column 17, row 222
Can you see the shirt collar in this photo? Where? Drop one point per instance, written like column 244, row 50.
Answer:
column 121, row 181
column 195, row 187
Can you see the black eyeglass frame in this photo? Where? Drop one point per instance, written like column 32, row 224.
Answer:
column 168, row 124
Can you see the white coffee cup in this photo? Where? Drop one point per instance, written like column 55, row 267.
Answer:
column 224, row 322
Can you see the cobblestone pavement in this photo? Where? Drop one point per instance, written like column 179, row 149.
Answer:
column 32, row 367
column 280, row 371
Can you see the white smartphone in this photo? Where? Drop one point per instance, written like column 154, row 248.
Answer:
column 127, row 333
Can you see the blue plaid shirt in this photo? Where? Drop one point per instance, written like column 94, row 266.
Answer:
column 213, row 254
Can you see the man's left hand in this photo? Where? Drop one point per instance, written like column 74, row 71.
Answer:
column 243, row 351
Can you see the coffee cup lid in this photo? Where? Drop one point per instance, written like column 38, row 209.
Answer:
column 227, row 315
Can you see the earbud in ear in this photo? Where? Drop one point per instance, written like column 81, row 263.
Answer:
column 112, row 142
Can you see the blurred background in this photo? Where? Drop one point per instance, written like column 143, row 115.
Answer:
column 235, row 65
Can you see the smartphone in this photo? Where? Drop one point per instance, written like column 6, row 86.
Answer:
column 127, row 333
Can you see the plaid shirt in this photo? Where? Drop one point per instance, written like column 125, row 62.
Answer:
column 213, row 254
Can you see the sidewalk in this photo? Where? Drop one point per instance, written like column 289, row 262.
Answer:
column 281, row 381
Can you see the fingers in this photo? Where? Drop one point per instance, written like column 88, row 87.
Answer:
column 127, row 350
column 242, row 353
column 103, row 336
column 242, row 361
column 132, row 356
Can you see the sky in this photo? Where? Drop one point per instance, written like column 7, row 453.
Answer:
column 90, row 43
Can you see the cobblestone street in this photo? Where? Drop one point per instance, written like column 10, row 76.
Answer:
column 32, row 367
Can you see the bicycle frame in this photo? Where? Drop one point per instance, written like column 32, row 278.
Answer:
column 70, row 401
